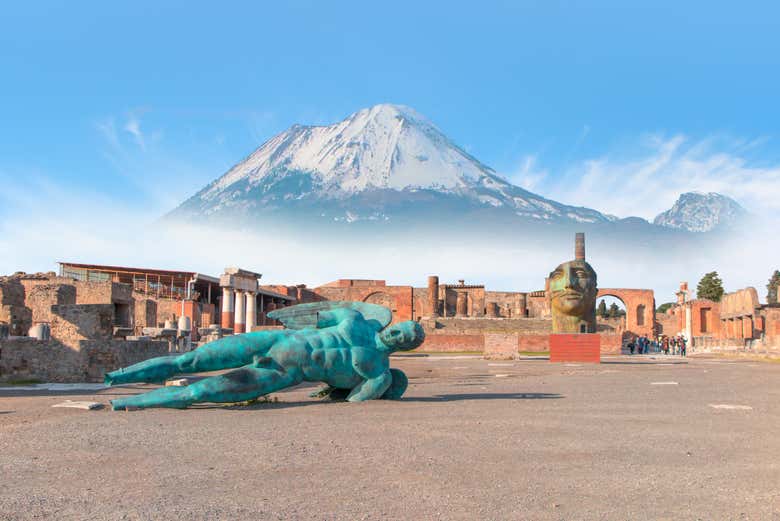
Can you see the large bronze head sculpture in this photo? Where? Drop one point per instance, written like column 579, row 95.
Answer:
column 573, row 292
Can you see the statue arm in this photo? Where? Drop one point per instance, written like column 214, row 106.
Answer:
column 371, row 388
column 376, row 373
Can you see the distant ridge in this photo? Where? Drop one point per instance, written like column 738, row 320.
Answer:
column 700, row 212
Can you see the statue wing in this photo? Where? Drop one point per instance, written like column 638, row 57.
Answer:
column 305, row 315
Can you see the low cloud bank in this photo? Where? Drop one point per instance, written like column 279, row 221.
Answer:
column 38, row 233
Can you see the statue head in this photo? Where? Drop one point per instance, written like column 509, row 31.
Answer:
column 573, row 288
column 573, row 292
column 402, row 336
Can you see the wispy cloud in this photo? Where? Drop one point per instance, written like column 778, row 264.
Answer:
column 107, row 129
column 528, row 174
column 649, row 181
column 133, row 126
column 137, row 153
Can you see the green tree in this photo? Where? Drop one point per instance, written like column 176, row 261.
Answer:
column 614, row 310
column 774, row 283
column 663, row 308
column 602, row 309
column 710, row 287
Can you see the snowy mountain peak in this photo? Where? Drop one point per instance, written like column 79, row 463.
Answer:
column 377, row 157
column 700, row 212
column 385, row 146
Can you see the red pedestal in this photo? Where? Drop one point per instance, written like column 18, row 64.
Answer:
column 583, row 347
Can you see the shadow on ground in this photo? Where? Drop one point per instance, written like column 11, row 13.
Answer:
column 437, row 398
column 483, row 396
column 642, row 362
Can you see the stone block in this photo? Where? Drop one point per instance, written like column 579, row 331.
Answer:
column 501, row 346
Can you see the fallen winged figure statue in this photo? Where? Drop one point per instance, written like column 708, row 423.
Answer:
column 346, row 345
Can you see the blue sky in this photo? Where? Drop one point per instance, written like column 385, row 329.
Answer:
column 191, row 87
column 137, row 105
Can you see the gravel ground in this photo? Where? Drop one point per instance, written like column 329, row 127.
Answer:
column 473, row 439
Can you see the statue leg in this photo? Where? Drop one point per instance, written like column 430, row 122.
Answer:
column 245, row 383
column 397, row 387
column 225, row 353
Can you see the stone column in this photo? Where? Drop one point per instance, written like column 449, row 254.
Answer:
column 492, row 310
column 433, row 295
column 579, row 246
column 251, row 311
column 522, row 304
column 461, row 306
column 747, row 327
column 240, row 317
column 227, row 308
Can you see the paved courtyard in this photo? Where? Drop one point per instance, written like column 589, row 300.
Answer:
column 632, row 438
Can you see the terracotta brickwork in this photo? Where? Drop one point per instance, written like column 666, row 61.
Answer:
column 575, row 348
column 397, row 298
column 640, row 308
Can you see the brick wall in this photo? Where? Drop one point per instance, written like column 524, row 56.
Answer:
column 452, row 343
column 397, row 298
column 533, row 343
column 575, row 348
column 501, row 346
column 667, row 324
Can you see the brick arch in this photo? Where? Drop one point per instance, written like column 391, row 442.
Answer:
column 636, row 301
column 381, row 298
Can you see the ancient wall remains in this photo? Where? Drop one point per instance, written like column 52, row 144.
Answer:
column 640, row 308
column 73, row 323
column 538, row 304
column 511, row 304
column 398, row 298
column 666, row 324
column 12, row 307
column 25, row 358
column 501, row 346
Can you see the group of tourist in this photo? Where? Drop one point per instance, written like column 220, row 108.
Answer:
column 676, row 345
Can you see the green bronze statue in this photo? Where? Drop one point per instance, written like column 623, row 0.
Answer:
column 346, row 345
column 573, row 290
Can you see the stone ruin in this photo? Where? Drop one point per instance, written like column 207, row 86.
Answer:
column 58, row 329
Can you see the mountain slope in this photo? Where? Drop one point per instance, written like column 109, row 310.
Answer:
column 699, row 212
column 379, row 164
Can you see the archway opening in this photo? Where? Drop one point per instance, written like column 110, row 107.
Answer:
column 610, row 314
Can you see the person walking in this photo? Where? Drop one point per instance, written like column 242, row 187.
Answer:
column 631, row 347
column 683, row 347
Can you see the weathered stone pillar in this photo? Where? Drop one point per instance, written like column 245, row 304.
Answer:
column 747, row 327
column 227, row 308
column 433, row 295
column 240, row 317
column 492, row 310
column 461, row 305
column 522, row 305
column 251, row 310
